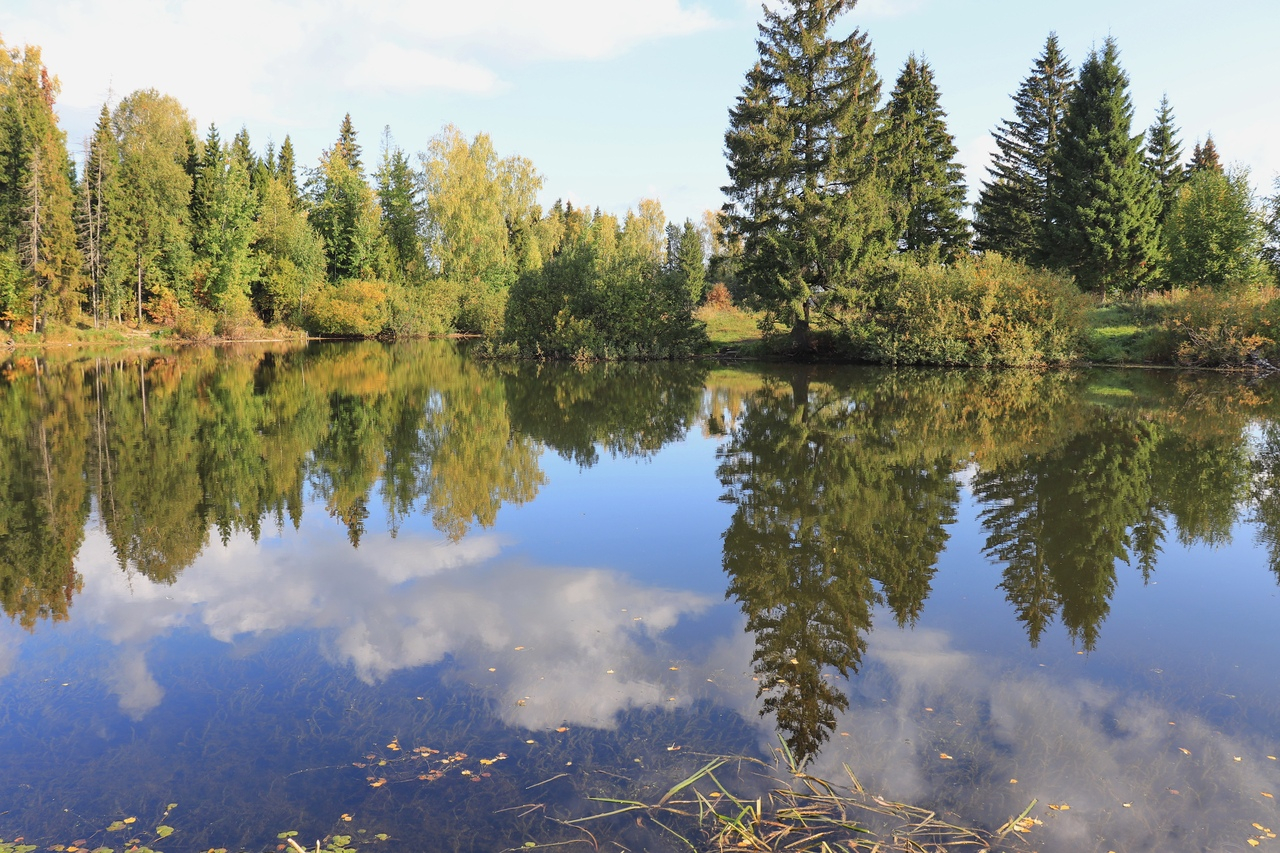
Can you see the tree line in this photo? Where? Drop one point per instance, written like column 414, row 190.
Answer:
column 847, row 213
column 212, row 236
column 837, row 200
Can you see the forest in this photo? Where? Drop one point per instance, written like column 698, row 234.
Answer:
column 846, row 233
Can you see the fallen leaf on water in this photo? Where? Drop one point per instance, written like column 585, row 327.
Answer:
column 519, row 648
column 944, row 756
column 1268, row 796
column 531, row 741
column 1252, row 842
column 672, row 748
column 348, row 818
column 377, row 783
column 1013, row 781
column 1060, row 808
column 382, row 836
column 493, row 669
column 1260, row 827
column 563, row 729
column 674, row 668
column 1127, row 805
column 1272, row 757
column 394, row 746
column 1236, row 758
column 520, row 702
column 116, row 826
column 930, row 710
column 164, row 831
column 608, row 672
column 1174, row 791
column 131, row 820
column 1184, row 751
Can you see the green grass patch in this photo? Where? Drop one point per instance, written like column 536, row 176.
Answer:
column 730, row 328
column 1119, row 334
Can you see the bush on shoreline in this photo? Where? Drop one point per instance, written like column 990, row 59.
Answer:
column 985, row 311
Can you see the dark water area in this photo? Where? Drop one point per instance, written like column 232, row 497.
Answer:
column 390, row 592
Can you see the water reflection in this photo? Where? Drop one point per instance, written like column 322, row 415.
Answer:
column 160, row 498
column 844, row 484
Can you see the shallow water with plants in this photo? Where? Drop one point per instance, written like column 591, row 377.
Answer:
column 387, row 596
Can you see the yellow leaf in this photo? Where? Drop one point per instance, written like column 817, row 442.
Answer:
column 563, row 729
column 493, row 669
column 944, row 756
column 1272, row 757
column 1268, row 796
column 1127, row 805
column 674, row 668
column 1184, row 751
column 1060, row 808
column 377, row 783
column 347, row 818
column 1236, row 758
column 130, row 820
column 1252, row 842
column 1013, row 781
column 519, row 648
column 1259, row 827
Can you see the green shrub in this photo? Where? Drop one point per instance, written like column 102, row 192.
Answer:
column 988, row 311
column 1205, row 328
column 355, row 307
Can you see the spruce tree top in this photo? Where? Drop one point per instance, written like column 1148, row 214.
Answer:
column 1204, row 158
column 347, row 144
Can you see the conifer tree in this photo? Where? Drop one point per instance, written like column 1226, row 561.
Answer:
column 347, row 145
column 400, row 199
column 287, row 171
column 1214, row 236
column 1164, row 158
column 343, row 211
column 36, row 200
column 804, row 194
column 98, row 188
column 1271, row 231
column 925, row 183
column 1102, row 200
column 1011, row 212
column 1204, row 158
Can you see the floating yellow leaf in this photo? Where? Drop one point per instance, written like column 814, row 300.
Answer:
column 377, row 783
column 1252, row 842
column 1127, row 805
column 466, row 772
column 348, row 818
column 672, row 748
column 485, row 762
column 1272, row 757
column 930, row 710
column 519, row 648
column 563, row 729
column 1259, row 827
column 531, row 741
column 393, row 746
column 1013, row 781
column 1268, row 796
column 944, row 756
column 1184, row 751
column 674, row 668
column 1060, row 808
column 493, row 669
column 1236, row 758
column 130, row 820
column 608, row 672
column 520, row 702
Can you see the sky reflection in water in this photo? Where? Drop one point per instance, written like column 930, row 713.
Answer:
column 595, row 599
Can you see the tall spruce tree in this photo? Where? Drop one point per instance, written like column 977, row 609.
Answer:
column 97, row 190
column 805, row 197
column 1011, row 212
column 925, row 182
column 1103, row 203
column 287, row 171
column 1164, row 158
column 403, row 210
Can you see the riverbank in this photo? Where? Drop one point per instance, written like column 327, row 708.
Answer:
column 1186, row 328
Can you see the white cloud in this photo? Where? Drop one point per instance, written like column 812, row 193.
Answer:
column 395, row 604
column 268, row 60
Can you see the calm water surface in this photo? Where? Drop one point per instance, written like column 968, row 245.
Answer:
column 252, row 582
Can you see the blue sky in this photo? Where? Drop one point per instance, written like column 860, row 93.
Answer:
column 617, row 100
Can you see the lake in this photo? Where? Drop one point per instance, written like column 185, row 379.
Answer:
column 391, row 594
